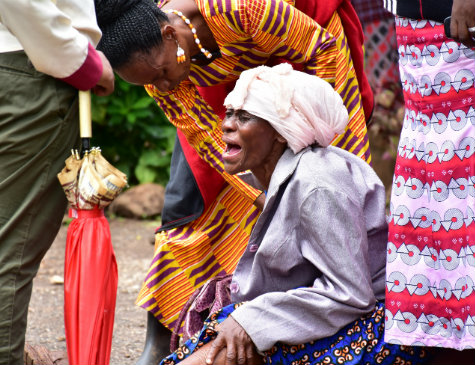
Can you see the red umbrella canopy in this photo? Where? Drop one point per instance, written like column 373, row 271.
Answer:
column 90, row 273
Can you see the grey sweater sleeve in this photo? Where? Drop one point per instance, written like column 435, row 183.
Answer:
column 333, row 238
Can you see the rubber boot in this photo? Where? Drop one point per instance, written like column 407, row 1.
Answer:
column 157, row 342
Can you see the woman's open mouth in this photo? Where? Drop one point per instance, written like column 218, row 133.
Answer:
column 231, row 151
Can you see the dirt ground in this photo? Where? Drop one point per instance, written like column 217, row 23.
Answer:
column 132, row 241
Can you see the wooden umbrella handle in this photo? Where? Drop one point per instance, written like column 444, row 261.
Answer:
column 85, row 124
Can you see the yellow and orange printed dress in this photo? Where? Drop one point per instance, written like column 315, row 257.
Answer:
column 248, row 33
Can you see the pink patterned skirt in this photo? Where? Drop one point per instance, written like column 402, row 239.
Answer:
column 430, row 283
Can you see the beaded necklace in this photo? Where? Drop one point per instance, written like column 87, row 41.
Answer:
column 193, row 30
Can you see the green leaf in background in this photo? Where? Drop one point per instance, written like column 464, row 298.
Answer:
column 133, row 133
column 142, row 103
column 145, row 174
column 153, row 158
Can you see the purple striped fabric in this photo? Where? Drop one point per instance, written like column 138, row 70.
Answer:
column 187, row 233
column 285, row 18
column 199, row 80
column 268, row 22
column 216, row 218
column 176, row 232
column 254, row 215
column 162, row 275
column 234, row 18
column 219, row 228
column 355, row 100
column 159, row 256
column 218, row 238
column 210, row 273
column 217, row 155
column 205, row 113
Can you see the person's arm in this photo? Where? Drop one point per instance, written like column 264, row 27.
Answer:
column 189, row 112
column 337, row 246
column 303, row 41
column 319, row 51
column 285, row 32
column 59, row 44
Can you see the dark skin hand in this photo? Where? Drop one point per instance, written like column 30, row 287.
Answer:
column 463, row 17
column 241, row 350
column 105, row 86
column 236, row 342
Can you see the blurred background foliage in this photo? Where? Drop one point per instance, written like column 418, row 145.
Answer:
column 133, row 133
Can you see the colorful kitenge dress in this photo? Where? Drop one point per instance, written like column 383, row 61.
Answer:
column 248, row 34
column 430, row 285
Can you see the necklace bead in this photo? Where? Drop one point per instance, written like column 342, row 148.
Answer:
column 193, row 30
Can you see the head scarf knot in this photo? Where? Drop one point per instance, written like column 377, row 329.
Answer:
column 302, row 108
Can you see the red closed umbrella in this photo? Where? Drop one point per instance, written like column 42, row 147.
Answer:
column 90, row 269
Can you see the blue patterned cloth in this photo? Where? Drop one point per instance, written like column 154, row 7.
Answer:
column 360, row 342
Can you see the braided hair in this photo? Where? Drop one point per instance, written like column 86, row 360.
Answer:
column 128, row 26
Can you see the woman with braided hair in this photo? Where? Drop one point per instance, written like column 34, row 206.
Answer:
column 182, row 49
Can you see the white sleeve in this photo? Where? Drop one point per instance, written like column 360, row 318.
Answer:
column 55, row 34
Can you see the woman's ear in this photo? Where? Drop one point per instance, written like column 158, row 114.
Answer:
column 281, row 139
column 168, row 32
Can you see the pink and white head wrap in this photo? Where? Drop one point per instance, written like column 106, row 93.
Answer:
column 302, row 108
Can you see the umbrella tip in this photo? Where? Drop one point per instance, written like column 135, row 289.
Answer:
column 75, row 154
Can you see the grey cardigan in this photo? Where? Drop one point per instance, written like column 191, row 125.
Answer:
column 316, row 257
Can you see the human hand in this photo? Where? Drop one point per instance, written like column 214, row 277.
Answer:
column 259, row 202
column 105, row 86
column 239, row 347
column 463, row 17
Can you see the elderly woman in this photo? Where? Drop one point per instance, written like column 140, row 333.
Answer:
column 182, row 51
column 311, row 283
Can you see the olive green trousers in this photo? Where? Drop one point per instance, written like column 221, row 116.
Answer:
column 38, row 129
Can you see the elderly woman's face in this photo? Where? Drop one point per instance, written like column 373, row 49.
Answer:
column 251, row 142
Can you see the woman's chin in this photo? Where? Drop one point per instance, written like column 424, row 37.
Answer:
column 231, row 167
column 234, row 161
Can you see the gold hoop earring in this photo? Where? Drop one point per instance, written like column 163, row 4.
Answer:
column 180, row 54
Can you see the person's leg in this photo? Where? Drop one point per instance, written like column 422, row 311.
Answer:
column 39, row 126
column 157, row 342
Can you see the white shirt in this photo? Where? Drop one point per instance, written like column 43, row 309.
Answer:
column 53, row 33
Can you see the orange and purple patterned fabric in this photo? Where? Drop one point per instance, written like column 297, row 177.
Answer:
column 249, row 34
